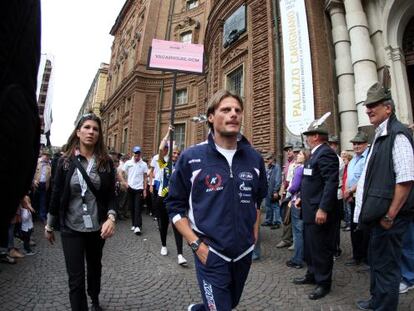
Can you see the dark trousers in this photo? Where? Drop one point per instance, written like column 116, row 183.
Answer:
column 359, row 239
column 221, row 283
column 135, row 198
column 41, row 198
column 149, row 202
column 385, row 248
column 123, row 203
column 25, row 235
column 319, row 242
column 76, row 247
column 163, row 222
column 338, row 229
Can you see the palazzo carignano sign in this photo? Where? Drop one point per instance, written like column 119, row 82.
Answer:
column 299, row 104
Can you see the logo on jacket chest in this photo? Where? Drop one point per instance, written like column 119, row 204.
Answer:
column 213, row 183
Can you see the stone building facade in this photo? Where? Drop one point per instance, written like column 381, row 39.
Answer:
column 96, row 95
column 368, row 36
column 350, row 42
column 44, row 94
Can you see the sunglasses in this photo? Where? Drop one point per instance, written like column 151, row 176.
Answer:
column 89, row 116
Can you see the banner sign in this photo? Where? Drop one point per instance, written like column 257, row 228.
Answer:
column 299, row 104
column 176, row 56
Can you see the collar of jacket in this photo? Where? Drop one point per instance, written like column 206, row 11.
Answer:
column 242, row 142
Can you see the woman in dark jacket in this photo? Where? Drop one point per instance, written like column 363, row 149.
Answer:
column 84, row 209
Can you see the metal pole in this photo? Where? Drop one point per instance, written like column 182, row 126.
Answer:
column 174, row 95
column 278, row 83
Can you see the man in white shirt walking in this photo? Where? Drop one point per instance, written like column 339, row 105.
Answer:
column 136, row 170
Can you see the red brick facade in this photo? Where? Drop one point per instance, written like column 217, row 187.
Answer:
column 149, row 92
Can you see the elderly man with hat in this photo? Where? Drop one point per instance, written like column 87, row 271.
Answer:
column 136, row 170
column 359, row 236
column 287, row 175
column 320, row 210
column 385, row 198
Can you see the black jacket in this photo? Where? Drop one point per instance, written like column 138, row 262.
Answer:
column 61, row 189
column 379, row 184
column 319, row 186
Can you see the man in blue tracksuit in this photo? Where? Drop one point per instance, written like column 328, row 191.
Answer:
column 214, row 199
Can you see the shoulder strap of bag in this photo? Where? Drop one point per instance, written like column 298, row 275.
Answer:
column 86, row 178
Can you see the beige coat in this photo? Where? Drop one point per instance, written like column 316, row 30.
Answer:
column 36, row 178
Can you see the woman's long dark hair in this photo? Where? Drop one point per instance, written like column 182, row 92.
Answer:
column 100, row 150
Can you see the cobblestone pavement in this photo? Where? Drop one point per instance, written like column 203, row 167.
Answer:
column 137, row 277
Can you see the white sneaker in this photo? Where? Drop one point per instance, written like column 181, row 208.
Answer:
column 181, row 260
column 190, row 307
column 132, row 228
column 405, row 288
column 164, row 251
column 137, row 231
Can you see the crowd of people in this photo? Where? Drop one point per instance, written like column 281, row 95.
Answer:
column 213, row 195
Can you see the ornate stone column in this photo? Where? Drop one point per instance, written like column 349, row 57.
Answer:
column 363, row 55
column 400, row 90
column 344, row 72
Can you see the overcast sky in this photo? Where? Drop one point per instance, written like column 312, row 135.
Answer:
column 76, row 32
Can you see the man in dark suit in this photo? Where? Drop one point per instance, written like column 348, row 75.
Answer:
column 319, row 210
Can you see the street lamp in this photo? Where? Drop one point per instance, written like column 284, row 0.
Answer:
column 199, row 119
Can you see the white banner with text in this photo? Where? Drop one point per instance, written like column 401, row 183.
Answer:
column 299, row 104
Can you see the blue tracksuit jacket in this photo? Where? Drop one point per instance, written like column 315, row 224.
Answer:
column 220, row 201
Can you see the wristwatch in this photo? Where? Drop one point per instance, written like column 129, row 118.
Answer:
column 111, row 217
column 388, row 219
column 195, row 245
column 49, row 229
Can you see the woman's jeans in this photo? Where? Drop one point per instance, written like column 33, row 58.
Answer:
column 297, row 229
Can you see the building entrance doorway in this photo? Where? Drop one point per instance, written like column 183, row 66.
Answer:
column 408, row 46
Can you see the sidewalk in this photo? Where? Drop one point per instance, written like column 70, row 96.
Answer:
column 136, row 277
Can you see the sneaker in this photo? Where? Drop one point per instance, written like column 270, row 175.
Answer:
column 199, row 306
column 291, row 248
column 7, row 259
column 405, row 288
column 29, row 253
column 346, row 229
column 14, row 252
column 164, row 251
column 282, row 244
column 132, row 228
column 137, row 231
column 292, row 264
column 181, row 260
